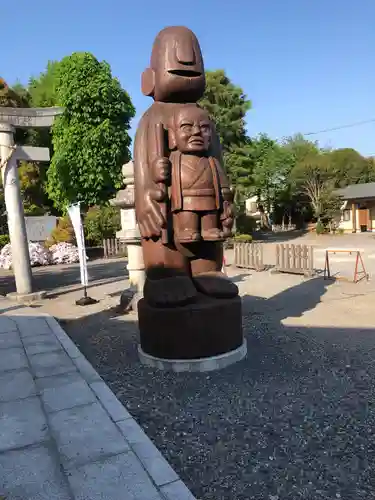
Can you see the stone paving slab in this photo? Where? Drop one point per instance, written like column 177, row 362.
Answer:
column 63, row 433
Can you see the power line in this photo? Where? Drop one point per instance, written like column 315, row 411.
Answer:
column 355, row 124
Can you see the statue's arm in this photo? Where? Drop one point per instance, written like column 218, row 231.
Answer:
column 147, row 193
column 217, row 153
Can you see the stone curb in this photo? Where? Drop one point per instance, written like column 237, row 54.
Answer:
column 161, row 473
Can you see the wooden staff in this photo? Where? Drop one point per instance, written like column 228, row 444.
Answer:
column 160, row 153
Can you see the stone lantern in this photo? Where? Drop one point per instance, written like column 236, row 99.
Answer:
column 130, row 235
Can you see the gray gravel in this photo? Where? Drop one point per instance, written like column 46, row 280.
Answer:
column 294, row 420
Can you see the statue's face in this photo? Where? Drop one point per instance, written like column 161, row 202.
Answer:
column 192, row 130
column 178, row 66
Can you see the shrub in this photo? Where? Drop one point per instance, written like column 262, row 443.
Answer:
column 63, row 232
column 320, row 229
column 245, row 224
column 341, row 230
column 101, row 223
column 244, row 238
column 4, row 240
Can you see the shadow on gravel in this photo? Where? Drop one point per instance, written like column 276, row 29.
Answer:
column 59, row 277
column 294, row 420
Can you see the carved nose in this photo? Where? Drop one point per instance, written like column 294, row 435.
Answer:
column 185, row 53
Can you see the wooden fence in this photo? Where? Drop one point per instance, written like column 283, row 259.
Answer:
column 248, row 255
column 295, row 259
column 281, row 228
column 113, row 248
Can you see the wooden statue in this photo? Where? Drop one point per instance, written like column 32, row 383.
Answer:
column 183, row 205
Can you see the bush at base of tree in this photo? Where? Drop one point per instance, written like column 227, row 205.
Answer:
column 4, row 240
column 101, row 223
column 63, row 232
column 244, row 238
column 320, row 229
column 245, row 224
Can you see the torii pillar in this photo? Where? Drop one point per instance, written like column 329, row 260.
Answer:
column 11, row 118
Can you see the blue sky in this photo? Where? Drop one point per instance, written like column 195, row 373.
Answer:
column 307, row 65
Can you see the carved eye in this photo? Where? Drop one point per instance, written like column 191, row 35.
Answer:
column 186, row 127
column 205, row 128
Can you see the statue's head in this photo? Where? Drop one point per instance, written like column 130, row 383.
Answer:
column 176, row 73
column 190, row 130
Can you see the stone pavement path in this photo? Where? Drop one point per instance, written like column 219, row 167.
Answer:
column 63, row 433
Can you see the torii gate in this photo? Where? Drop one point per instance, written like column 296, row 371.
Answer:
column 11, row 118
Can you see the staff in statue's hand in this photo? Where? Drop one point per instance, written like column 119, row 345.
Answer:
column 161, row 171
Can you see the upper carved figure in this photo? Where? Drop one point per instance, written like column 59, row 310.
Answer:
column 176, row 73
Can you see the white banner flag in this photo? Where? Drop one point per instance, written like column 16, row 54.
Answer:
column 74, row 212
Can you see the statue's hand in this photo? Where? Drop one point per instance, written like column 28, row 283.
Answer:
column 227, row 219
column 161, row 169
column 150, row 217
column 228, row 210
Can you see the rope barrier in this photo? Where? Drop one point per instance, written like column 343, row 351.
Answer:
column 5, row 160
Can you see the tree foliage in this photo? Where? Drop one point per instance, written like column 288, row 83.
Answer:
column 313, row 176
column 227, row 105
column 348, row 167
column 271, row 167
column 90, row 139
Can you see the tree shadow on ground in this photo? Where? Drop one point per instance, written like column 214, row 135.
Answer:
column 293, row 420
column 279, row 237
column 54, row 278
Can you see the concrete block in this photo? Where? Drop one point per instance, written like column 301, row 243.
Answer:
column 176, row 490
column 85, row 434
column 16, row 385
column 57, row 380
column 115, row 478
column 86, row 369
column 41, row 344
column 12, row 359
column 111, row 404
column 52, row 363
column 132, row 432
column 32, row 473
column 32, row 325
column 7, row 325
column 63, row 338
column 154, row 462
column 67, row 396
column 70, row 347
column 10, row 339
column 22, row 423
column 27, row 298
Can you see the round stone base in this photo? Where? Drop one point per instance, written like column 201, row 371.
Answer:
column 194, row 365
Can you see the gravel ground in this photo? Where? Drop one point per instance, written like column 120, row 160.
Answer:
column 294, row 420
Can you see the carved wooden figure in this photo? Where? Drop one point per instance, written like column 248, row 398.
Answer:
column 184, row 210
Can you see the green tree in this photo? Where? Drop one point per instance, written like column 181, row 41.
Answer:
column 227, row 105
column 271, row 167
column 9, row 96
column 313, row 177
column 32, row 181
column 349, row 167
column 42, row 89
column 90, row 140
column 43, row 93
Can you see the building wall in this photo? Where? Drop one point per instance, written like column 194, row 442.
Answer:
column 347, row 225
